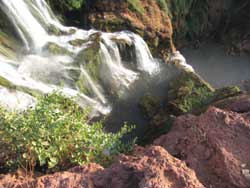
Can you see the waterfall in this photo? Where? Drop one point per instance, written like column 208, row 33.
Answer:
column 87, row 65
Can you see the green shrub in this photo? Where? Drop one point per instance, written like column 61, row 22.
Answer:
column 56, row 133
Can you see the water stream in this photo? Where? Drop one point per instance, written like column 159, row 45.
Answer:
column 92, row 70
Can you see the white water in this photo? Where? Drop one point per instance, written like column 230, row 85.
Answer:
column 42, row 72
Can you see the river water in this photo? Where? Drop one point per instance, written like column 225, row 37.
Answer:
column 220, row 69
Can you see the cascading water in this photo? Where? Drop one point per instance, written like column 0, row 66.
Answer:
column 87, row 65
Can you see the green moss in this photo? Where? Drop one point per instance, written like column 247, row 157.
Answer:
column 136, row 6
column 149, row 105
column 8, row 45
column 226, row 92
column 77, row 42
column 189, row 93
column 56, row 49
column 53, row 30
column 92, row 60
column 82, row 85
column 6, row 83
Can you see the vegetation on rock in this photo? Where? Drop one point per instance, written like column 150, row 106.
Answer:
column 136, row 5
column 187, row 93
column 55, row 49
column 190, row 93
column 57, row 133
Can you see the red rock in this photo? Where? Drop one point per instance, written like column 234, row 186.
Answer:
column 152, row 167
column 242, row 105
column 214, row 145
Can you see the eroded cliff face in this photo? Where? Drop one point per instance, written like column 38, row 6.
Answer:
column 161, row 22
column 149, row 21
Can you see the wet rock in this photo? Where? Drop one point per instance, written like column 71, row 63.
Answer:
column 187, row 93
column 110, row 15
column 149, row 105
column 239, row 103
column 77, row 42
column 214, row 144
column 55, row 49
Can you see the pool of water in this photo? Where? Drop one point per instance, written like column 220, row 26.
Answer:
column 220, row 69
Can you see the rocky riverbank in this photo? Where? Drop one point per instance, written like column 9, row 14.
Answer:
column 196, row 136
column 210, row 150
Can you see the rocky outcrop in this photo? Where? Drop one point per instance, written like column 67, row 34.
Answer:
column 152, row 167
column 148, row 20
column 187, row 93
column 215, row 145
column 210, row 150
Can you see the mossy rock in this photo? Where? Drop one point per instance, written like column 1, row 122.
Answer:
column 160, row 124
column 53, row 30
column 190, row 93
column 8, row 45
column 55, row 49
column 149, row 105
column 83, row 85
column 77, row 42
column 90, row 60
column 6, row 83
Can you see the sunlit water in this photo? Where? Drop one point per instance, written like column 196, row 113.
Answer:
column 126, row 71
column 38, row 71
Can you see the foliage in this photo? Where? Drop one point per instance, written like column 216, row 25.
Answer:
column 135, row 5
column 56, row 133
column 190, row 17
column 68, row 4
column 195, row 97
column 189, row 92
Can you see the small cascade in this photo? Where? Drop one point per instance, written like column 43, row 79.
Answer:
column 84, row 64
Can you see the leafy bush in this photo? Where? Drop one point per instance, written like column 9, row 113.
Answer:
column 56, row 133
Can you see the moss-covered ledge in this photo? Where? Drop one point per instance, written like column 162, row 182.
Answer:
column 187, row 93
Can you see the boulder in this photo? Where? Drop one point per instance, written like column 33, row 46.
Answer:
column 152, row 167
column 187, row 93
column 215, row 145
